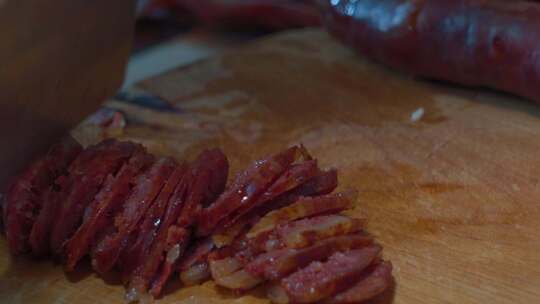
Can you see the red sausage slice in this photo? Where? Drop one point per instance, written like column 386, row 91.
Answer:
column 25, row 198
column 108, row 201
column 322, row 280
column 105, row 254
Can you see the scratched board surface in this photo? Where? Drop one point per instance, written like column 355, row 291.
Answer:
column 449, row 176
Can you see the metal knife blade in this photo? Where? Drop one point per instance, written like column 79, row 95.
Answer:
column 58, row 61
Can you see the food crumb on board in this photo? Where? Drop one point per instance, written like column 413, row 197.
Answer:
column 417, row 115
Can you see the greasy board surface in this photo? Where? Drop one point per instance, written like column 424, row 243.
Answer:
column 449, row 176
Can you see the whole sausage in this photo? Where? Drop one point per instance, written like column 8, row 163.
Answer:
column 484, row 43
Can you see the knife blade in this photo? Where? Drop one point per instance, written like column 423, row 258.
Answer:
column 59, row 60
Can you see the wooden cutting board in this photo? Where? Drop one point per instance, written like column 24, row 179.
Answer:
column 449, row 176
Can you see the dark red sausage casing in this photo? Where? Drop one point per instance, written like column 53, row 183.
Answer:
column 485, row 43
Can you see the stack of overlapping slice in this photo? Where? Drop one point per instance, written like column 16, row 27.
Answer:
column 277, row 223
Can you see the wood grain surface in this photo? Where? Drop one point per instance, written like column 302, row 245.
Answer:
column 449, row 176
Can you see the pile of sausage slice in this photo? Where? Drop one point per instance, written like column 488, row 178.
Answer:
column 277, row 224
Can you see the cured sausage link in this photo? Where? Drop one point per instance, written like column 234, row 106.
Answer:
column 479, row 43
